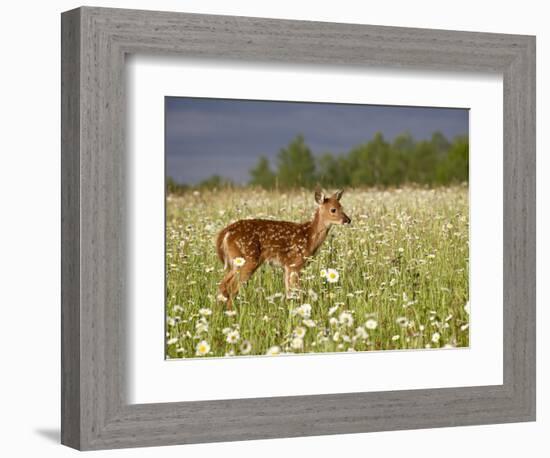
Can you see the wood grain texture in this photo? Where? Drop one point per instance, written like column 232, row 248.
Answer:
column 95, row 411
column 70, row 229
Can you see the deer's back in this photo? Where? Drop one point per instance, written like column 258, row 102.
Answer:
column 268, row 240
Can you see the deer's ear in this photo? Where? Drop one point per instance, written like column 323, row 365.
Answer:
column 338, row 194
column 319, row 196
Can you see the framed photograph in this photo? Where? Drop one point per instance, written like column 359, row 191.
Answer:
column 277, row 228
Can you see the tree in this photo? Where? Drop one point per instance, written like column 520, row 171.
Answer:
column 215, row 182
column 454, row 167
column 296, row 165
column 376, row 163
column 332, row 171
column 261, row 175
column 440, row 143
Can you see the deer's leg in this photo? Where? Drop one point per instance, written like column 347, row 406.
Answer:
column 235, row 278
column 223, row 294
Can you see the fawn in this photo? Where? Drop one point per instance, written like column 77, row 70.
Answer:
column 244, row 245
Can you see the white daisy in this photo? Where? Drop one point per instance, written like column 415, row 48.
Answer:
column 230, row 313
column 245, row 347
column 202, row 348
column 402, row 321
column 297, row 343
column 239, row 262
column 395, row 338
column 232, row 337
column 332, row 275
column 300, row 332
column 323, row 273
column 361, row 333
column 309, row 323
column 332, row 310
column 172, row 341
column 371, row 324
column 346, row 318
column 304, row 310
column 273, row 351
column 205, row 312
column 436, row 337
column 201, row 326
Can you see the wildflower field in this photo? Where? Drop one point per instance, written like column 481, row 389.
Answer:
column 396, row 278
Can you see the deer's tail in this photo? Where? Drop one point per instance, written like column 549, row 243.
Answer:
column 221, row 248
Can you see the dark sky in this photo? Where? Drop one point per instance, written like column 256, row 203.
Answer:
column 226, row 137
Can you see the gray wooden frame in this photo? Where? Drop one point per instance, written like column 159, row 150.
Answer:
column 95, row 413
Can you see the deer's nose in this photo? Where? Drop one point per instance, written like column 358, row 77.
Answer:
column 347, row 220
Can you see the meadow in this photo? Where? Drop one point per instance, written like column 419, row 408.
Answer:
column 399, row 275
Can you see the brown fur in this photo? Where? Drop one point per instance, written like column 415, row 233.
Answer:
column 283, row 243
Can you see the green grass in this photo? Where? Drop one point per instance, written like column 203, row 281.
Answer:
column 403, row 265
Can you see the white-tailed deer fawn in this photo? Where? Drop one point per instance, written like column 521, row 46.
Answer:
column 244, row 245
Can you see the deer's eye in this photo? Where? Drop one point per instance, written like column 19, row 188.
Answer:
column 333, row 210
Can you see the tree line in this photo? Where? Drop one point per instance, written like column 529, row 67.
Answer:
column 378, row 162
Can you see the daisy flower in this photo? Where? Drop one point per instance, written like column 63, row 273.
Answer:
column 346, row 318
column 299, row 332
column 232, row 337
column 402, row 321
column 202, row 348
column 205, row 312
column 273, row 351
column 239, row 262
column 304, row 311
column 309, row 323
column 436, row 337
column 245, row 347
column 332, row 275
column 297, row 343
column 201, row 326
column 361, row 333
column 371, row 324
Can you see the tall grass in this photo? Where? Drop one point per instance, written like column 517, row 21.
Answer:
column 402, row 265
